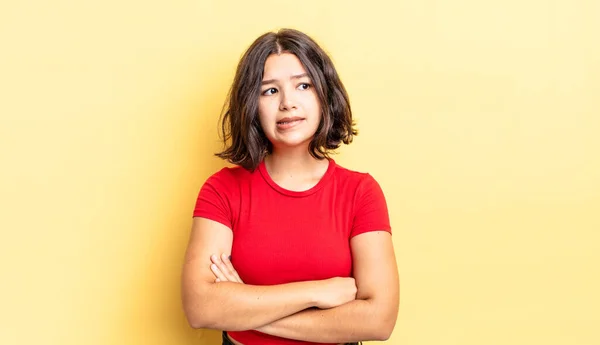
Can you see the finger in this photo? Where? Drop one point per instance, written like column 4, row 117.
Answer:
column 223, row 268
column 217, row 272
column 227, row 261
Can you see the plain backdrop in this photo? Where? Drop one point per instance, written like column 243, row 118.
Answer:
column 480, row 120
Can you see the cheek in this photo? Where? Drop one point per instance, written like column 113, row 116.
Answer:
column 316, row 117
column 263, row 114
column 267, row 108
column 314, row 106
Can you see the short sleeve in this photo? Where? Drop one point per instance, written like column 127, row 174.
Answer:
column 213, row 202
column 370, row 210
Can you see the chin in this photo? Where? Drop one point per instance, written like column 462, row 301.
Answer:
column 295, row 142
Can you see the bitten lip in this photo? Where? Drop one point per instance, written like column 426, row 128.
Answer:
column 290, row 119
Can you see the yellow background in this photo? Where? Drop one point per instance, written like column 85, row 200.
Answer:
column 480, row 119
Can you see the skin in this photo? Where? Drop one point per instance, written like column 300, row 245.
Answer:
column 288, row 92
column 215, row 297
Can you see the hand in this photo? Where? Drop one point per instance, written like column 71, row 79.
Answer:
column 335, row 292
column 223, row 269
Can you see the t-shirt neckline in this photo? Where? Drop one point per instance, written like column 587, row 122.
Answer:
column 326, row 177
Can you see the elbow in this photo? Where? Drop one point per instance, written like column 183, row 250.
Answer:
column 198, row 320
column 196, row 312
column 194, row 318
column 198, row 324
column 385, row 325
column 383, row 331
column 195, row 323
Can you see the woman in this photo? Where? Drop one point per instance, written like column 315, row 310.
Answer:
column 288, row 246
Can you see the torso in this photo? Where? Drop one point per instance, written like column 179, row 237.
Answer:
column 282, row 236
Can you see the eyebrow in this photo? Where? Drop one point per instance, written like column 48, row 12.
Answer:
column 292, row 77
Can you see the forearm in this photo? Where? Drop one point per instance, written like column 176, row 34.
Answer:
column 234, row 307
column 359, row 320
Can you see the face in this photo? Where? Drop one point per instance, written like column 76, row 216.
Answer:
column 288, row 106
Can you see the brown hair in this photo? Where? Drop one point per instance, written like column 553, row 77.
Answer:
column 239, row 121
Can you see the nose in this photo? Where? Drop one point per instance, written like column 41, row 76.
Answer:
column 287, row 101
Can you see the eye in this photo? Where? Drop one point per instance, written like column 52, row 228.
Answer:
column 270, row 91
column 305, row 86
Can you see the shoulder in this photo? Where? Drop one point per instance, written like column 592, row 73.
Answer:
column 230, row 174
column 355, row 179
column 370, row 212
column 228, row 178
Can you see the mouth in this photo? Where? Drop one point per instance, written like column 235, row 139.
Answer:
column 289, row 122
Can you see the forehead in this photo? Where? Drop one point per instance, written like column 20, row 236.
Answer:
column 282, row 66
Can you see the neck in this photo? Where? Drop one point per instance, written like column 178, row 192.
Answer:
column 293, row 162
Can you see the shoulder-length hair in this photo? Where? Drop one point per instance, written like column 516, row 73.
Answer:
column 244, row 140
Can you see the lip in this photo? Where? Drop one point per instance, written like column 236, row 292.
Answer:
column 290, row 119
column 289, row 122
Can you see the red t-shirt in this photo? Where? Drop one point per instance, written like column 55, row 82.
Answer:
column 282, row 236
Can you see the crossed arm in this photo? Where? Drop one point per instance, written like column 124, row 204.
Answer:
column 308, row 311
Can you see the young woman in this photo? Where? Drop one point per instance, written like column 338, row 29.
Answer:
column 288, row 246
